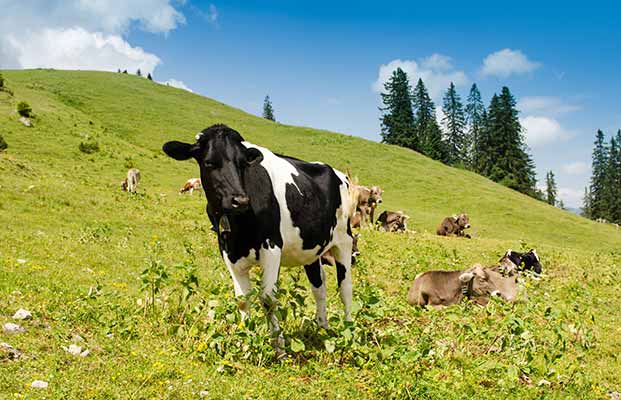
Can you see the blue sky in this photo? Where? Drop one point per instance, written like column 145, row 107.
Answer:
column 320, row 62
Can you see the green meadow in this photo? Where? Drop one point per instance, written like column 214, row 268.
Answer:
column 138, row 281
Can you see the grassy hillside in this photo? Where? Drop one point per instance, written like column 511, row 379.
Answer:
column 80, row 254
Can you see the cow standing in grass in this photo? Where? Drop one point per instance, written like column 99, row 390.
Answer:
column 273, row 210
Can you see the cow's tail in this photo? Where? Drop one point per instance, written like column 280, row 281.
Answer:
column 354, row 194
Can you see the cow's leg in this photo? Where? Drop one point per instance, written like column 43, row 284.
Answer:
column 270, row 261
column 342, row 255
column 372, row 213
column 241, row 285
column 317, row 278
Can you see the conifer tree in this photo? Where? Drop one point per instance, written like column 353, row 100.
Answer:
column 427, row 133
column 268, row 110
column 398, row 119
column 613, row 180
column 454, row 121
column 149, row 77
column 475, row 120
column 586, row 204
column 502, row 153
column 138, row 72
column 598, row 198
column 551, row 191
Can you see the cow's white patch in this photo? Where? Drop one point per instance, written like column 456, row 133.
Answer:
column 281, row 174
column 536, row 256
column 198, row 136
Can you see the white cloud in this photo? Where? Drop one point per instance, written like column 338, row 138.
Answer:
column 77, row 48
column 575, row 168
column 81, row 34
column 540, row 131
column 436, row 71
column 571, row 197
column 507, row 62
column 177, row 84
column 545, row 104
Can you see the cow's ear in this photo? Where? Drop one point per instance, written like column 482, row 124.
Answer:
column 179, row 150
column 253, row 156
column 466, row 277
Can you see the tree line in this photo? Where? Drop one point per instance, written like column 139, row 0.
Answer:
column 488, row 141
column 602, row 198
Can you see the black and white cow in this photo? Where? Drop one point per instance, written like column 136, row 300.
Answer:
column 273, row 210
column 524, row 261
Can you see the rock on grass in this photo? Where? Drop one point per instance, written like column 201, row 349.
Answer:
column 39, row 384
column 10, row 328
column 22, row 314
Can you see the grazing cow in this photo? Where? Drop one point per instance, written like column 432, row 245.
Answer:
column 443, row 288
column 523, row 261
column 454, row 225
column 392, row 221
column 130, row 184
column 368, row 199
column 602, row 220
column 273, row 210
column 190, row 186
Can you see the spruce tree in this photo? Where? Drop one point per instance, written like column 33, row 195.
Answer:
column 1, row 82
column 503, row 154
column 138, row 72
column 427, row 133
column 475, row 120
column 586, row 204
column 398, row 119
column 149, row 77
column 268, row 110
column 551, row 191
column 613, row 180
column 454, row 121
column 599, row 206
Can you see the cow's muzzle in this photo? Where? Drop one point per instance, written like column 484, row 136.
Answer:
column 240, row 202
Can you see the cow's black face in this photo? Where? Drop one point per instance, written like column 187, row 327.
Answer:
column 222, row 159
column 531, row 260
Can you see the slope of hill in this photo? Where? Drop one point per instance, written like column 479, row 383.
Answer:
column 86, row 258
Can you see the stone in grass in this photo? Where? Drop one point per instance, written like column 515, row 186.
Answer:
column 76, row 350
column 25, row 121
column 39, row 384
column 9, row 352
column 10, row 327
column 203, row 393
column 614, row 395
column 22, row 314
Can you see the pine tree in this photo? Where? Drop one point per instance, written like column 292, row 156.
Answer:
column 502, row 152
column 613, row 180
column 454, row 120
column 475, row 120
column 586, row 204
column 561, row 205
column 427, row 133
column 149, row 77
column 138, row 72
column 551, row 191
column 268, row 110
column 118, row 71
column 599, row 206
column 398, row 119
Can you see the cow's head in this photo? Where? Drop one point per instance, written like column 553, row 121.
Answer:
column 484, row 282
column 124, row 185
column 375, row 195
column 463, row 221
column 222, row 159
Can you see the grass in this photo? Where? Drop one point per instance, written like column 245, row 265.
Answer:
column 139, row 278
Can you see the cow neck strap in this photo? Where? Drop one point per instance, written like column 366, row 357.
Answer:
column 466, row 288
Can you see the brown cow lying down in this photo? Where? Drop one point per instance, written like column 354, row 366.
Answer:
column 368, row 199
column 392, row 221
column 454, row 225
column 191, row 185
column 443, row 288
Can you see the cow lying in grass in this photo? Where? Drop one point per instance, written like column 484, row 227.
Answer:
column 392, row 221
column 443, row 288
column 190, row 186
column 514, row 261
column 273, row 210
column 454, row 225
